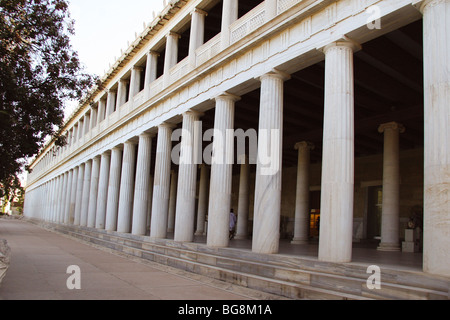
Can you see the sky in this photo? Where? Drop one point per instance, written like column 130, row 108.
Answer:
column 103, row 28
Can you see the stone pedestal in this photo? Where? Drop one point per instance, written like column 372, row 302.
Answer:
column 410, row 244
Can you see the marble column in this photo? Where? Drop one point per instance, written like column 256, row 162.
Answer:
column 171, row 57
column 127, row 182
column 79, row 197
column 142, row 187
column 172, row 201
column 68, row 197
column 243, row 200
column 122, row 97
column 101, row 111
column 229, row 15
column 266, row 228
column 105, row 163
column 113, row 189
column 73, row 196
column 436, row 26
column 336, row 219
column 197, row 34
column 302, row 210
column 390, row 237
column 202, row 200
column 187, row 180
column 135, row 81
column 86, row 193
column 161, row 186
column 93, row 192
column 151, row 70
column 221, row 171
column 111, row 103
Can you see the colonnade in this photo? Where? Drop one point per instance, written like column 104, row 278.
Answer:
column 113, row 190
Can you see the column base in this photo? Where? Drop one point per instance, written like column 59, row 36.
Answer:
column 299, row 241
column 389, row 247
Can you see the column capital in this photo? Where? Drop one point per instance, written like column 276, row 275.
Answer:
column 304, row 145
column 167, row 125
column 422, row 5
column 344, row 41
column 391, row 125
column 153, row 53
column 193, row 113
column 227, row 96
column 146, row 135
column 173, row 34
column 274, row 73
column 138, row 68
column 199, row 11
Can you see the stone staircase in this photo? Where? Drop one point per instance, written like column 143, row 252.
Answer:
column 282, row 275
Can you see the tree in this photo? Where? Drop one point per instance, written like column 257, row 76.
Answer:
column 39, row 73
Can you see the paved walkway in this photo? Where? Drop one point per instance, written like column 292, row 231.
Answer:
column 40, row 258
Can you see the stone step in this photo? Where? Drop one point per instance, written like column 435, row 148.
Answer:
column 289, row 276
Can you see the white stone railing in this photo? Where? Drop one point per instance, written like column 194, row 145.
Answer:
column 208, row 50
column 157, row 86
column 283, row 5
column 248, row 23
column 179, row 70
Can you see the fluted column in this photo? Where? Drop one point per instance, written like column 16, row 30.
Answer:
column 243, row 201
column 73, row 196
column 390, row 219
column 100, row 217
column 197, row 34
column 113, row 189
column 302, row 211
column 221, row 171
column 135, row 81
column 79, row 197
column 187, row 179
column 127, row 187
column 111, row 102
column 142, row 187
column 266, row 229
column 151, row 70
column 172, row 201
column 230, row 10
column 336, row 219
column 93, row 192
column 122, row 92
column 62, row 211
column 202, row 200
column 171, row 57
column 161, row 184
column 436, row 25
column 86, row 193
column 101, row 111
column 68, row 197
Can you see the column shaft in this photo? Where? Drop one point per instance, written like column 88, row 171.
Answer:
column 113, row 189
column 436, row 23
column 336, row 220
column 142, row 188
column 86, row 193
column 127, row 187
column 79, row 197
column 302, row 211
column 202, row 200
column 102, row 198
column 243, row 202
column 161, row 187
column 93, row 192
column 221, row 172
column 187, row 179
column 266, row 229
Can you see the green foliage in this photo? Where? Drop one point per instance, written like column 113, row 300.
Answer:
column 39, row 72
